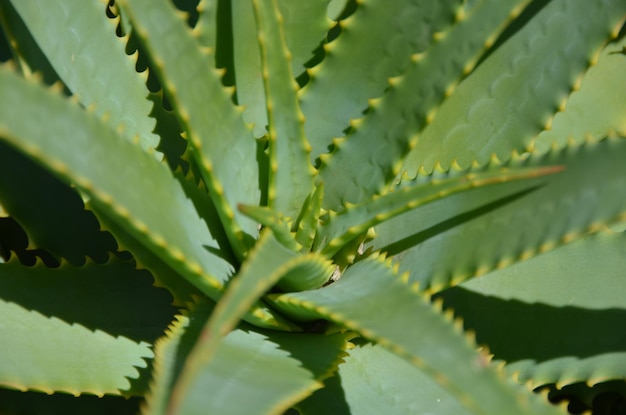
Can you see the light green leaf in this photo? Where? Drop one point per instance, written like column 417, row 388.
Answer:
column 108, row 170
column 439, row 250
column 430, row 340
column 266, row 264
column 340, row 229
column 514, row 94
column 252, row 372
column 218, row 138
column 566, row 305
column 371, row 155
column 361, row 60
column 597, row 107
column 97, row 340
column 304, row 27
column 247, row 59
column 92, row 63
column 291, row 173
column 372, row 381
column 25, row 52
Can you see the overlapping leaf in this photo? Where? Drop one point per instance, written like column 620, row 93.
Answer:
column 221, row 143
column 180, row 237
column 372, row 152
column 514, row 93
column 367, row 298
column 567, row 307
column 79, row 57
column 95, row 337
column 439, row 249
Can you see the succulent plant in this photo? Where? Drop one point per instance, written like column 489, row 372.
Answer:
column 314, row 207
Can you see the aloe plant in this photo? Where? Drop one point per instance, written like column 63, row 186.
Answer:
column 314, row 207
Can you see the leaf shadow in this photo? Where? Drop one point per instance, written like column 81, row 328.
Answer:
column 515, row 330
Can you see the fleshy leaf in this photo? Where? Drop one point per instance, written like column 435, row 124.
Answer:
column 603, row 87
column 252, row 372
column 408, row 27
column 25, row 52
column 266, row 264
column 291, row 173
column 307, row 221
column 373, row 380
column 79, row 59
column 579, row 200
column 96, row 338
column 567, row 306
column 181, row 238
column 341, row 228
column 371, row 154
column 430, row 340
column 538, row 66
column 218, row 137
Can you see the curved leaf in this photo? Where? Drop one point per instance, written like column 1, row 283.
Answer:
column 341, row 228
column 252, row 372
column 80, row 59
column 96, row 337
column 108, row 169
column 372, row 380
column 579, row 200
column 291, row 173
column 602, row 87
column 515, row 93
column 266, row 265
column 218, row 137
column 391, row 30
column 366, row 299
column 567, row 307
column 371, row 155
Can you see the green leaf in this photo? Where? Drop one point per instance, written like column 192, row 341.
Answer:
column 343, row 227
column 373, row 380
column 108, row 170
column 597, row 107
column 25, row 52
column 274, row 221
column 263, row 373
column 252, row 372
column 371, row 154
column 439, row 250
column 249, row 74
column 304, row 26
column 367, row 298
column 291, row 173
column 306, row 225
column 268, row 263
column 93, row 64
column 391, row 31
column 96, row 337
column 170, row 352
column 566, row 306
column 218, row 138
column 515, row 93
